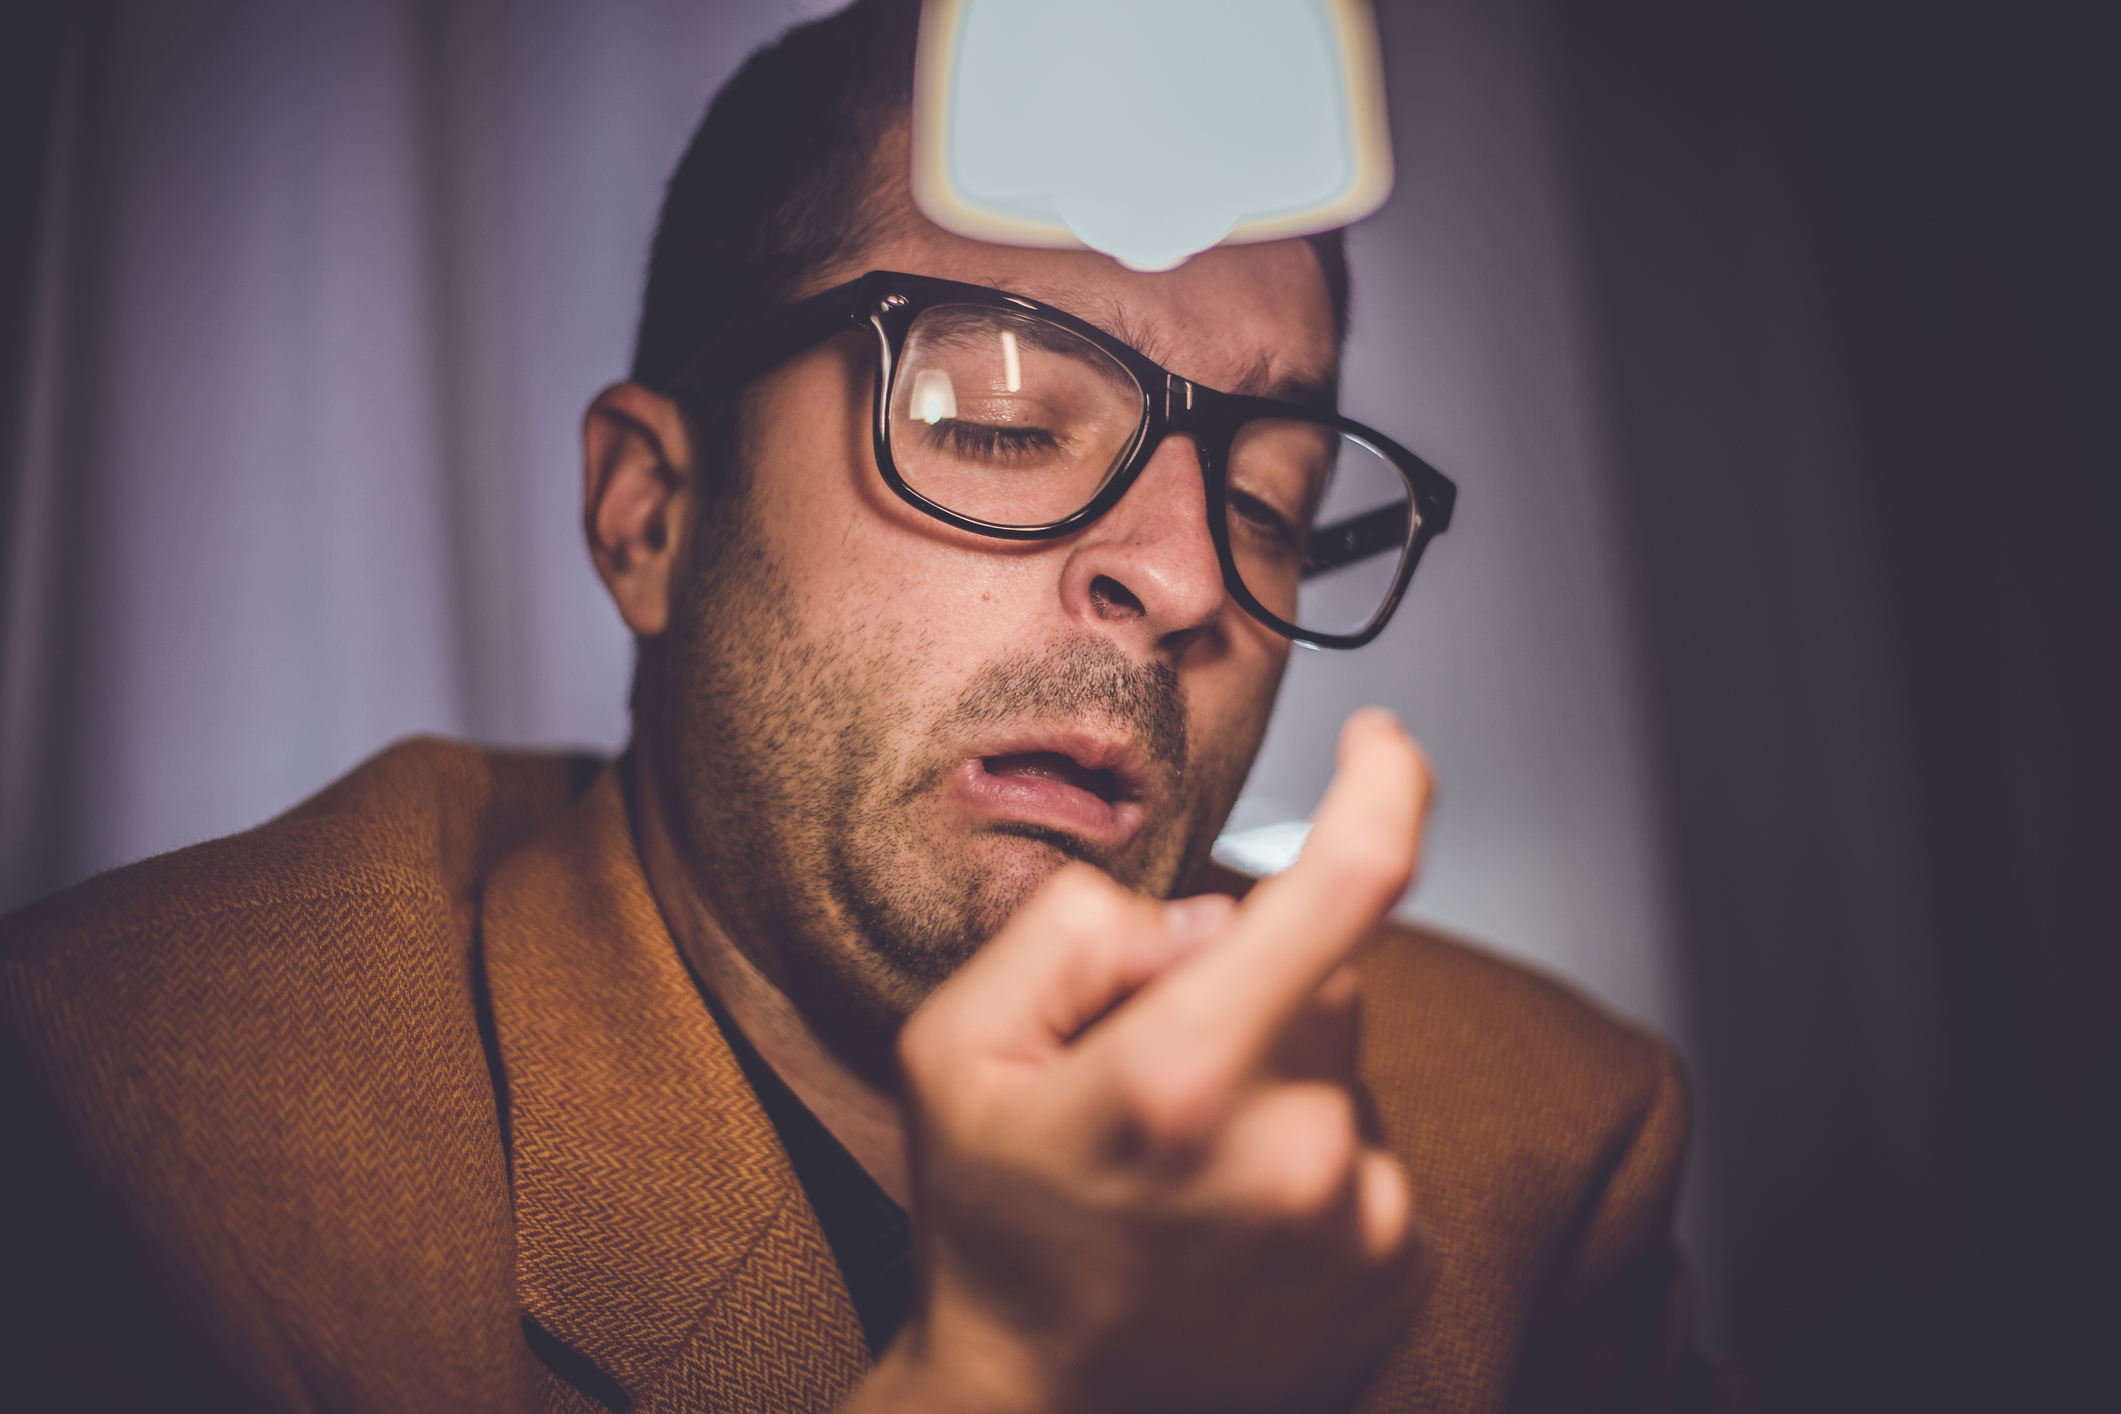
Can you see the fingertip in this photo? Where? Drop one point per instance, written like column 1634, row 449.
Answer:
column 1378, row 718
column 1076, row 889
column 1375, row 724
column 1372, row 735
column 1074, row 875
column 1366, row 726
column 1375, row 745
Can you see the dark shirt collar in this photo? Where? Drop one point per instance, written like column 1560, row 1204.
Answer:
column 870, row 1235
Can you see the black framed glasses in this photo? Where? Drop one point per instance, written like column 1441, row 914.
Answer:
column 1013, row 419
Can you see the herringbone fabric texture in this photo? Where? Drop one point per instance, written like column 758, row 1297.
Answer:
column 261, row 1058
column 264, row 1158
column 650, row 1187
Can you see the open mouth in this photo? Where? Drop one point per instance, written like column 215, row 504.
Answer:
column 1054, row 766
column 1073, row 783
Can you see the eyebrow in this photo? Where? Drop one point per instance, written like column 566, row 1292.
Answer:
column 1320, row 394
column 1315, row 391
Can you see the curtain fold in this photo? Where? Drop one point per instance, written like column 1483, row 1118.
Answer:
column 1852, row 265
column 316, row 294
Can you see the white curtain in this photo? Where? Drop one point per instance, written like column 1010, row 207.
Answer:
column 322, row 290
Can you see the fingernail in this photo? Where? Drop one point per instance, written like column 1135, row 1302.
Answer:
column 1385, row 716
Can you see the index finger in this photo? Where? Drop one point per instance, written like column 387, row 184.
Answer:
column 1223, row 1010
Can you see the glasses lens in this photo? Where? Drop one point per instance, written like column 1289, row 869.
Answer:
column 1004, row 418
column 1320, row 523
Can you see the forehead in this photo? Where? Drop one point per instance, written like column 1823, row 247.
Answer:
column 1241, row 318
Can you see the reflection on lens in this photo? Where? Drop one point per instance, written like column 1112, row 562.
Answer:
column 933, row 396
column 1319, row 524
column 1004, row 418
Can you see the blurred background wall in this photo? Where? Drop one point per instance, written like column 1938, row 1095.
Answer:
column 1851, row 266
column 1769, row 668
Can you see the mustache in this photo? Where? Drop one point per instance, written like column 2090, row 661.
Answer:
column 1078, row 678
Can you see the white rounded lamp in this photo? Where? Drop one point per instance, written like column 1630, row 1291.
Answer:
column 1148, row 129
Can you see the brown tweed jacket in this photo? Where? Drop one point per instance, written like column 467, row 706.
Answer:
column 404, row 1101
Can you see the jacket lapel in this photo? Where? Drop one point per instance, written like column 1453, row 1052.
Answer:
column 660, row 1231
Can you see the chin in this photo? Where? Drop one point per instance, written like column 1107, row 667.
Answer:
column 1009, row 868
column 921, row 905
column 1024, row 869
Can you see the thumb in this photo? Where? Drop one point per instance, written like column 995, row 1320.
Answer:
column 1080, row 945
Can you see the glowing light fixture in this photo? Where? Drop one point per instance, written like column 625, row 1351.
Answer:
column 1263, row 849
column 1148, row 129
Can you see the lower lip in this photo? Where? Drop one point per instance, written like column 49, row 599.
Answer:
column 1039, row 800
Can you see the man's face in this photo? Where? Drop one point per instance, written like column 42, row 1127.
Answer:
column 888, row 732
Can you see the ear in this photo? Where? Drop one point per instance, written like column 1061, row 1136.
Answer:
column 638, row 483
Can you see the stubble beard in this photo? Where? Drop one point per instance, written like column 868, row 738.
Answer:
column 802, row 824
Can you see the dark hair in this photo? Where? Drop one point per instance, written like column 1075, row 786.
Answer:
column 776, row 183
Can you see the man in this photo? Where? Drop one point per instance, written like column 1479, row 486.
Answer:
column 502, row 1082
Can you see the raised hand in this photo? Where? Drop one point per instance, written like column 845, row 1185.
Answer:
column 1140, row 1175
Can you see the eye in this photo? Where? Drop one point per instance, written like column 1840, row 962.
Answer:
column 1266, row 526
column 985, row 441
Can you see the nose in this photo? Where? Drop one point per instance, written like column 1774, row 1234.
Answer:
column 1146, row 571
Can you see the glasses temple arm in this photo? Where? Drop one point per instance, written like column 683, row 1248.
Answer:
column 1357, row 538
column 743, row 354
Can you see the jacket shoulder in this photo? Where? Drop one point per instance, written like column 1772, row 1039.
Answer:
column 1438, row 1008
column 1530, row 1089
column 240, row 973
column 424, row 817
column 255, row 1064
column 1543, row 1140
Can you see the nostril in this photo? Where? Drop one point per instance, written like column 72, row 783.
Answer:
column 1113, row 600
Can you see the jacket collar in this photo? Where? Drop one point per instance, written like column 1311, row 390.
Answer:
column 656, row 1212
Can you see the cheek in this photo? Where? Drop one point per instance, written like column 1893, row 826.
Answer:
column 1228, row 702
column 859, row 559
column 925, row 618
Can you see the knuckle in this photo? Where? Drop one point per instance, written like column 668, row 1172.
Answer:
column 1300, row 1193
column 1171, row 1107
column 1087, row 912
column 925, row 1052
column 1338, row 999
column 1315, row 1151
column 1080, row 891
column 1074, row 901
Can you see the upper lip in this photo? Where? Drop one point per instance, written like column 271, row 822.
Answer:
column 1089, row 750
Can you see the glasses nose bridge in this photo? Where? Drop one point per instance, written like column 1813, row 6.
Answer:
column 1179, row 416
column 1176, row 414
column 1185, row 414
column 1179, row 397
